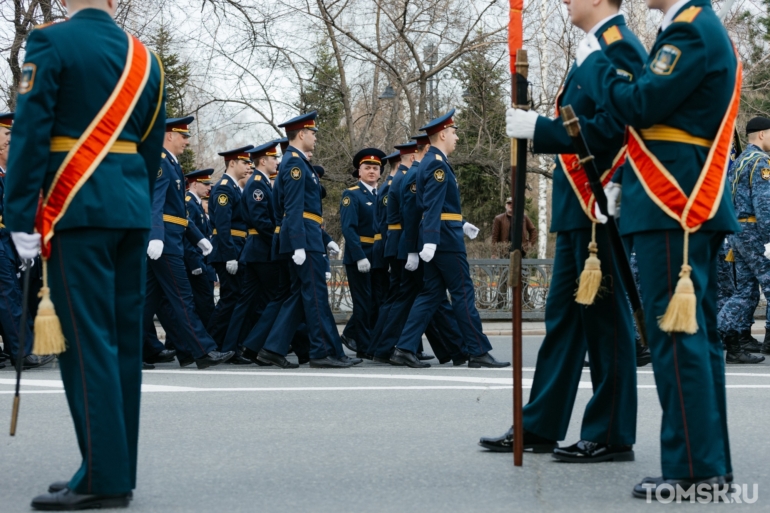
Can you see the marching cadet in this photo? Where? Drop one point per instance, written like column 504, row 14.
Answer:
column 199, row 186
column 70, row 130
column 298, row 205
column 10, row 308
column 603, row 324
column 680, row 111
column 260, row 272
column 443, row 251
column 229, row 237
column 166, row 274
column 358, row 207
column 750, row 188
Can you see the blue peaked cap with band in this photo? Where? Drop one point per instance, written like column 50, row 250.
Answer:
column 180, row 125
column 300, row 122
column 6, row 119
column 200, row 175
column 437, row 125
column 268, row 149
column 237, row 154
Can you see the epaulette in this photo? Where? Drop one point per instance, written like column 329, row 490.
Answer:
column 612, row 35
column 43, row 25
column 257, row 177
column 354, row 188
column 188, row 198
column 439, row 157
column 223, row 182
column 162, row 155
column 294, row 154
column 688, row 15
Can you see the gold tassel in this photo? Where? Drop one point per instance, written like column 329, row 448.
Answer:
column 49, row 338
column 591, row 277
column 730, row 257
column 680, row 315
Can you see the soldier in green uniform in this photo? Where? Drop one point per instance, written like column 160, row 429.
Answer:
column 680, row 112
column 89, row 135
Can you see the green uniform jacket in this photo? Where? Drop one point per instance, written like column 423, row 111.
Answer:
column 59, row 66
column 687, row 84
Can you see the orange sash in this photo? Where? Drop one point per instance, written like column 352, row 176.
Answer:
column 94, row 144
column 661, row 186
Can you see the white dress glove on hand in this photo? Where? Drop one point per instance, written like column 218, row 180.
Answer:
column 428, row 251
column 412, row 261
column 364, row 266
column 587, row 46
column 767, row 250
column 520, row 124
column 333, row 248
column 205, row 246
column 27, row 244
column 231, row 266
column 197, row 272
column 299, row 256
column 155, row 249
column 612, row 191
column 470, row 231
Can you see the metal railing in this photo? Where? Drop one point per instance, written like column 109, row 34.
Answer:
column 490, row 279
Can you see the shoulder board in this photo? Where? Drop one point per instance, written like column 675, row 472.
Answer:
column 688, row 15
column 43, row 25
column 223, row 182
column 257, row 177
column 612, row 35
column 188, row 198
column 390, row 181
column 354, row 188
column 162, row 155
column 294, row 154
column 439, row 157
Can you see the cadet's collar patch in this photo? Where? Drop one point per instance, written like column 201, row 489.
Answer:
column 665, row 60
column 612, row 35
column 222, row 199
column 259, row 195
column 624, row 73
column 766, row 173
column 346, row 201
column 27, row 82
column 688, row 15
column 439, row 157
column 439, row 175
column 413, row 187
column 296, row 173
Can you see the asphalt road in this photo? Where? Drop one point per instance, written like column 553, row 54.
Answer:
column 373, row 438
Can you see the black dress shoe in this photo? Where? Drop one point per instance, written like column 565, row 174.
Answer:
column 302, row 360
column 364, row 356
column 353, row 361
column 67, row 500
column 165, row 356
column 381, row 359
column 33, row 361
column 349, row 343
column 650, row 485
column 213, row 358
column 276, row 359
column 643, row 356
column 486, row 360
column 424, row 356
column 147, row 366
column 406, row 358
column 329, row 363
column 532, row 442
column 252, row 357
column 184, row 362
column 738, row 355
column 592, row 452
column 58, row 486
column 239, row 360
column 459, row 360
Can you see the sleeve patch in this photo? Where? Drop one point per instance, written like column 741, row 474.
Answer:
column 688, row 15
column 612, row 35
column 439, row 175
column 222, row 199
column 665, row 60
column 27, row 81
column 296, row 173
column 259, row 195
column 345, row 201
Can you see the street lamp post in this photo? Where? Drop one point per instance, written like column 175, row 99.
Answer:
column 430, row 54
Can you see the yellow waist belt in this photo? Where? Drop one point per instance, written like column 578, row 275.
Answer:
column 750, row 219
column 175, row 220
column 234, row 233
column 394, row 226
column 671, row 134
column 1, row 222
column 65, row 144
column 370, row 240
column 252, row 231
column 313, row 217
column 451, row 217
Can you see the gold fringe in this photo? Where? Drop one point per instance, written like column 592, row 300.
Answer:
column 49, row 338
column 680, row 316
column 591, row 277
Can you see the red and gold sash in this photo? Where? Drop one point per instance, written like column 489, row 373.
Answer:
column 91, row 148
column 661, row 186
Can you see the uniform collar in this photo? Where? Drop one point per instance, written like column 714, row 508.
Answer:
column 368, row 187
column 170, row 156
column 435, row 150
column 195, row 196
column 302, row 153
column 265, row 175
column 668, row 19
column 92, row 14
column 235, row 182
column 608, row 21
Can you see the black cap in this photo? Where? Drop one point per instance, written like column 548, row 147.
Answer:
column 367, row 156
column 757, row 124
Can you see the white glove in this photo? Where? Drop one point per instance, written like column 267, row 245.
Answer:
column 299, row 256
column 364, row 266
column 612, row 191
column 428, row 250
column 155, row 249
column 206, row 246
column 333, row 248
column 328, row 276
column 767, row 250
column 587, row 46
column 412, row 261
column 27, row 244
column 470, row 231
column 520, row 124
column 231, row 266
column 196, row 272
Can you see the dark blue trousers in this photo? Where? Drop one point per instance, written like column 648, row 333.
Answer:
column 203, row 295
column 447, row 271
column 11, row 299
column 167, row 277
column 394, row 285
column 259, row 280
column 309, row 297
column 174, row 338
column 230, row 287
column 359, row 326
